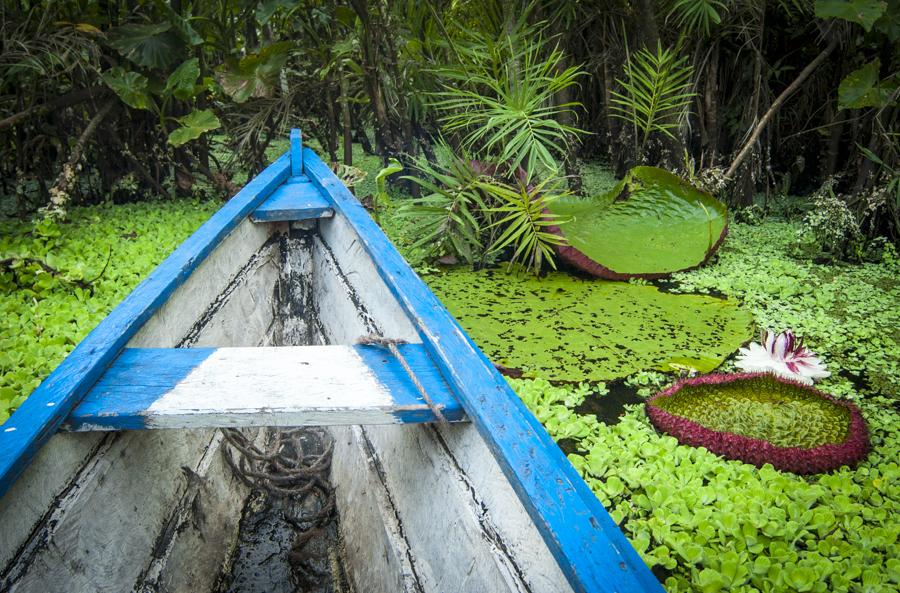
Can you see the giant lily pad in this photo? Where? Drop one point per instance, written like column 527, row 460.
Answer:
column 652, row 223
column 569, row 329
column 760, row 418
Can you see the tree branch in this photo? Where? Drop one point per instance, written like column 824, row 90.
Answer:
column 67, row 100
column 760, row 126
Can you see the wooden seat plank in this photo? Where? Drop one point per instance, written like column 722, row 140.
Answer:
column 297, row 199
column 148, row 388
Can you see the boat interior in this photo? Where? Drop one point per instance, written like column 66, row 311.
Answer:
column 419, row 506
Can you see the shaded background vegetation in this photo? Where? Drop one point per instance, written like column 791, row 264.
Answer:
column 130, row 99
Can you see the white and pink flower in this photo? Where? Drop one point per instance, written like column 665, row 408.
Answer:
column 784, row 355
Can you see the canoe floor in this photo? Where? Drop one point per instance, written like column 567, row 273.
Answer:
column 421, row 508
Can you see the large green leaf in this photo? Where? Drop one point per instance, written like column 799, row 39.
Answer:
column 181, row 82
column 255, row 75
column 182, row 26
column 151, row 46
column 651, row 224
column 564, row 328
column 862, row 88
column 131, row 87
column 861, row 12
column 194, row 125
column 267, row 9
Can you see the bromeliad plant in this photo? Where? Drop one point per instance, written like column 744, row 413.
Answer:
column 473, row 214
column 453, row 216
column 525, row 222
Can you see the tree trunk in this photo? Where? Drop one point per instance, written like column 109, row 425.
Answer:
column 645, row 21
column 711, row 108
column 60, row 193
column 384, row 138
column 834, row 142
column 345, row 119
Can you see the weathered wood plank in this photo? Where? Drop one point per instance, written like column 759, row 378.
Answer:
column 297, row 199
column 49, row 405
column 284, row 386
column 587, row 544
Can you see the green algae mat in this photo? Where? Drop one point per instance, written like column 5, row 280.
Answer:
column 564, row 328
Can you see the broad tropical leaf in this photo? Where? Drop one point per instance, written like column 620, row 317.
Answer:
column 267, row 9
column 651, row 224
column 150, row 46
column 181, row 82
column 862, row 88
column 131, row 87
column 194, row 125
column 181, row 25
column 861, row 12
column 255, row 75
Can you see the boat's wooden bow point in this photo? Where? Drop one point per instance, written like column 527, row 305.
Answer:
column 149, row 388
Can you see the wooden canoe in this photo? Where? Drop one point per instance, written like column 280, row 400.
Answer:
column 256, row 321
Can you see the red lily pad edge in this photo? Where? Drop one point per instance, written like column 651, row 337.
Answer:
column 758, row 452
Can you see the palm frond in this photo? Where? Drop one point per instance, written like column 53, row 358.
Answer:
column 657, row 92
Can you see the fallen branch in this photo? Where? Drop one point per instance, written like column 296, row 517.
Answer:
column 760, row 126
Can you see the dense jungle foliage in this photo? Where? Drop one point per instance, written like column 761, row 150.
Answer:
column 120, row 98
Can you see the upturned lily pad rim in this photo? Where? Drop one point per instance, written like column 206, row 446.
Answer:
column 644, row 174
column 577, row 259
column 758, row 452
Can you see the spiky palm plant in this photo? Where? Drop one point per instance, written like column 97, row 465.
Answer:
column 524, row 221
column 451, row 217
column 500, row 98
column 656, row 93
column 694, row 16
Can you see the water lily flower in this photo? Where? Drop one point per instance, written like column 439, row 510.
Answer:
column 784, row 355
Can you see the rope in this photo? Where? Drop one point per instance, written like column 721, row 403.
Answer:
column 294, row 464
column 391, row 345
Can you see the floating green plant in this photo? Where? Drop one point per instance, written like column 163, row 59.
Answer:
column 568, row 329
column 652, row 223
column 762, row 418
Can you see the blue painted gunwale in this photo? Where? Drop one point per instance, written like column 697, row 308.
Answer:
column 297, row 199
column 140, row 376
column 587, row 544
column 39, row 417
